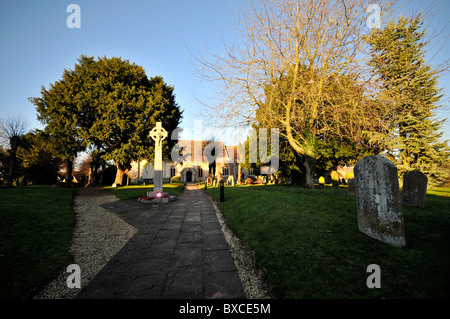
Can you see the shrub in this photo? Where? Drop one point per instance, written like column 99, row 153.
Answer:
column 175, row 179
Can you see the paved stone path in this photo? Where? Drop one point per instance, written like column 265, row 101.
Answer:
column 179, row 251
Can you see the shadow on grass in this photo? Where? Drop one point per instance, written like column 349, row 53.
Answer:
column 35, row 234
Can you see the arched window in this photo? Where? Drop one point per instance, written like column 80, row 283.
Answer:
column 200, row 172
column 172, row 171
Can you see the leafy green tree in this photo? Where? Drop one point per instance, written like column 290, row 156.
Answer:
column 57, row 110
column 112, row 106
column 37, row 164
column 409, row 87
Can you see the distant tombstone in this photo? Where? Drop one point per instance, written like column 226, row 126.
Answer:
column 414, row 189
column 321, row 180
column 348, row 176
column 334, row 179
column 351, row 187
column 230, row 180
column 378, row 200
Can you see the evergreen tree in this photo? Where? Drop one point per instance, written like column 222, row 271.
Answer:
column 57, row 110
column 409, row 89
column 37, row 164
column 110, row 105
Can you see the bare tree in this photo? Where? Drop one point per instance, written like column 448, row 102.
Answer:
column 12, row 128
column 297, row 65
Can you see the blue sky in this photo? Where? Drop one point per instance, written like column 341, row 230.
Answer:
column 36, row 44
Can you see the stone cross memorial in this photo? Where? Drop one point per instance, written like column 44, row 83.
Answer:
column 414, row 189
column 378, row 200
column 158, row 134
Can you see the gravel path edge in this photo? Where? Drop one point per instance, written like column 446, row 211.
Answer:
column 252, row 279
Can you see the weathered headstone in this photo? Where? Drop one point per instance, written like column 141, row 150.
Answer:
column 378, row 200
column 158, row 134
column 351, row 187
column 414, row 189
column 334, row 179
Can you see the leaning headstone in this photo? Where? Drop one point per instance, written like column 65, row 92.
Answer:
column 351, row 187
column 334, row 179
column 414, row 189
column 378, row 200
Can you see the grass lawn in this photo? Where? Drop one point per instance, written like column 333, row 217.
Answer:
column 35, row 232
column 308, row 242
column 135, row 191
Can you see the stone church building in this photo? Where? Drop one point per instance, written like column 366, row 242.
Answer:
column 193, row 167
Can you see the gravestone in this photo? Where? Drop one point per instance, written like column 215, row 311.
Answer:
column 378, row 200
column 230, row 180
column 351, row 187
column 414, row 189
column 158, row 134
column 334, row 179
column 321, row 181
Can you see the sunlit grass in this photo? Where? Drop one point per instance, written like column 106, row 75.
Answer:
column 308, row 242
column 439, row 191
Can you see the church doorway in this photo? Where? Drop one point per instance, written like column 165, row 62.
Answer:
column 188, row 176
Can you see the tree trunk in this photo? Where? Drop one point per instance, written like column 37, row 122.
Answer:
column 69, row 168
column 122, row 170
column 309, row 165
column 11, row 173
column 305, row 176
column 308, row 161
column 12, row 160
column 101, row 175
column 119, row 177
column 22, row 182
column 95, row 180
